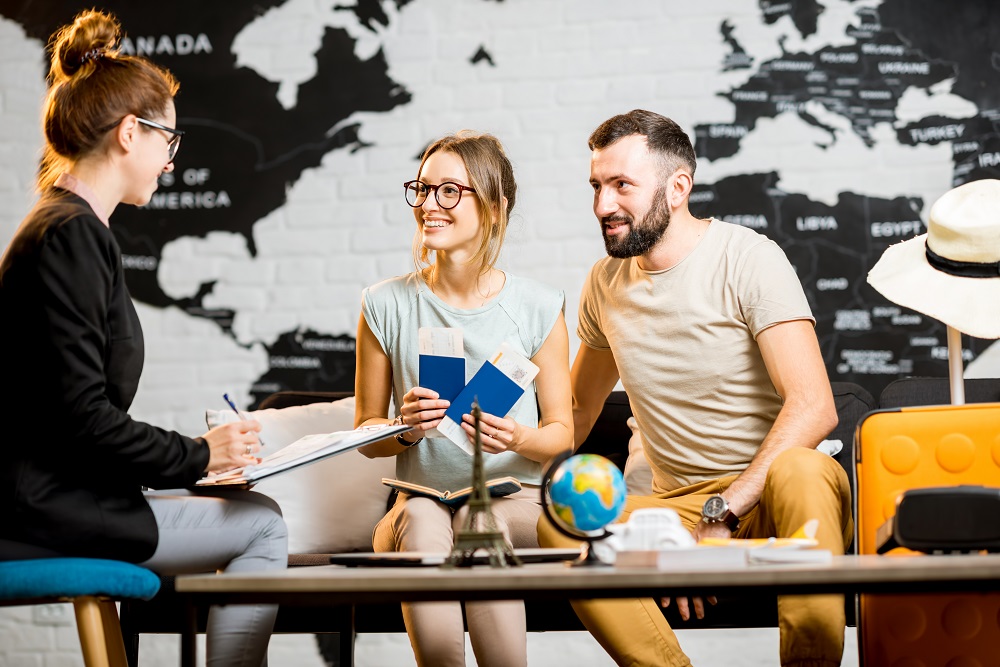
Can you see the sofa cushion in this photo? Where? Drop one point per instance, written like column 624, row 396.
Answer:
column 329, row 506
column 610, row 433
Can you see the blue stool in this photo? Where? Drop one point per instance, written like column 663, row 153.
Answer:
column 92, row 585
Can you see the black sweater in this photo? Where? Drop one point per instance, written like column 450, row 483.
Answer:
column 73, row 462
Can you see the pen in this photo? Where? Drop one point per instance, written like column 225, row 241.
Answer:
column 240, row 414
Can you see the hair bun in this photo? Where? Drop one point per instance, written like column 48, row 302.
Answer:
column 91, row 36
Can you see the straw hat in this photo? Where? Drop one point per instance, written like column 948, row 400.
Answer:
column 951, row 273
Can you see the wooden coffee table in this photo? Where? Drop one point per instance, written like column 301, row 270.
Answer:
column 336, row 585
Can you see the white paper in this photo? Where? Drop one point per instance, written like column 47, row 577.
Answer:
column 830, row 447
column 452, row 430
column 514, row 365
column 441, row 341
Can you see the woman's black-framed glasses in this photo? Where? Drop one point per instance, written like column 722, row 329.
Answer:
column 172, row 143
column 447, row 194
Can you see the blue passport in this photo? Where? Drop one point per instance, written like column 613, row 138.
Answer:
column 445, row 375
column 495, row 392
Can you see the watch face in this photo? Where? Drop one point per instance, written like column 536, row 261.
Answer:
column 714, row 507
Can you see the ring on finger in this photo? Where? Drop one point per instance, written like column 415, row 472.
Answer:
column 249, row 450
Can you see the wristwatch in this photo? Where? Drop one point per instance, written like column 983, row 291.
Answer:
column 716, row 510
column 404, row 442
column 398, row 421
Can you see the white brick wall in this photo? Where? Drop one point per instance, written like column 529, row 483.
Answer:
column 561, row 68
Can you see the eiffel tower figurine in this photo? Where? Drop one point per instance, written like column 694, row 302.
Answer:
column 480, row 528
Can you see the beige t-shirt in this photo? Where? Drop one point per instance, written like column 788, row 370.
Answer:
column 684, row 340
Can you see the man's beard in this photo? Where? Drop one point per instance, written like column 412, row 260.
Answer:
column 640, row 238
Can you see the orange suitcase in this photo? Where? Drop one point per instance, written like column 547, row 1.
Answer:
column 911, row 448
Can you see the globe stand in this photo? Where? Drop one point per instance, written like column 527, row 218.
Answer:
column 480, row 528
column 587, row 556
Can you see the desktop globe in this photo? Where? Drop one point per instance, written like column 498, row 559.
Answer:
column 587, row 492
column 581, row 495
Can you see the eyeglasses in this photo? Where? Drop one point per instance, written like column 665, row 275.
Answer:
column 172, row 143
column 447, row 194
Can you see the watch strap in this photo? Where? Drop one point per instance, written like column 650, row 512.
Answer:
column 732, row 520
column 404, row 442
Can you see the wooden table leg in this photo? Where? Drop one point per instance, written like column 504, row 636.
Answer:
column 347, row 641
column 189, row 635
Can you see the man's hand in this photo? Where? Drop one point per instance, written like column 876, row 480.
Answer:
column 716, row 530
column 684, row 610
column 701, row 530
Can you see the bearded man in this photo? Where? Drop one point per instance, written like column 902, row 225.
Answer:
column 708, row 328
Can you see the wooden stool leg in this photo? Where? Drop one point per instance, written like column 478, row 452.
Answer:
column 126, row 617
column 90, row 628
column 113, row 634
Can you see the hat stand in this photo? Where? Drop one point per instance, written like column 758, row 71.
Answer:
column 956, row 373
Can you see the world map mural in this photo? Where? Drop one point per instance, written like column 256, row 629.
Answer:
column 246, row 145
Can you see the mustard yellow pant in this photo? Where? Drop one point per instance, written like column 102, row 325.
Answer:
column 801, row 484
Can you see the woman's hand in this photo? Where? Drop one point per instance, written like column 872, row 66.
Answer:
column 232, row 446
column 423, row 410
column 500, row 434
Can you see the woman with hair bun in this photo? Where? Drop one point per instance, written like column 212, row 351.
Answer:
column 75, row 465
column 461, row 201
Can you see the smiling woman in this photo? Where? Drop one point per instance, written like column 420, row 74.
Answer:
column 459, row 235
column 472, row 163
